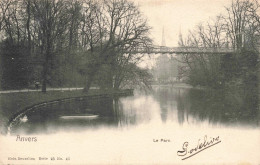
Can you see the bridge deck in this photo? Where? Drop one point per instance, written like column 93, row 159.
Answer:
column 180, row 50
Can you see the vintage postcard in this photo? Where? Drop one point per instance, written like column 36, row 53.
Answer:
column 129, row 82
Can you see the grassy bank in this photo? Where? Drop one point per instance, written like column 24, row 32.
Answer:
column 11, row 103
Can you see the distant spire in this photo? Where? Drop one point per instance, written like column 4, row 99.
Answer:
column 163, row 38
column 180, row 42
column 180, row 33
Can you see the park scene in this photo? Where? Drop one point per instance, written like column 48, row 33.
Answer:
column 94, row 66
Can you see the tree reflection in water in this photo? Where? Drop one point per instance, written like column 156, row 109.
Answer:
column 164, row 105
column 215, row 106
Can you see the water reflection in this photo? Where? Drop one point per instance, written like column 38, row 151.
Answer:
column 213, row 107
column 164, row 105
column 51, row 119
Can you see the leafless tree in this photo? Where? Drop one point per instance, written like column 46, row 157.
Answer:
column 238, row 29
column 51, row 19
column 58, row 32
column 113, row 27
column 241, row 23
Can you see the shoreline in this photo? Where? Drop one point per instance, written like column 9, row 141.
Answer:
column 14, row 105
column 178, row 85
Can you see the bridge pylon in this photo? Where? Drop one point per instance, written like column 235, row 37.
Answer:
column 163, row 38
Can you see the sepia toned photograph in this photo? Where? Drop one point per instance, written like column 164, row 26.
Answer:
column 123, row 82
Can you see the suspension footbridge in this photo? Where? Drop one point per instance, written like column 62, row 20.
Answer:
column 180, row 50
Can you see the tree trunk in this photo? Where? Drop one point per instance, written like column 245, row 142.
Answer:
column 117, row 83
column 89, row 81
column 29, row 38
column 110, row 80
column 46, row 64
column 45, row 71
column 28, row 26
column 44, row 81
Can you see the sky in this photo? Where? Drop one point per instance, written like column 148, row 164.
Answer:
column 177, row 16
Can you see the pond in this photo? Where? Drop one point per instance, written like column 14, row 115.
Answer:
column 147, row 128
column 164, row 105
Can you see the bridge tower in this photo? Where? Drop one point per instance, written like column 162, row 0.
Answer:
column 171, row 64
column 163, row 38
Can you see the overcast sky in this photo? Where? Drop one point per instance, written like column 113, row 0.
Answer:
column 176, row 15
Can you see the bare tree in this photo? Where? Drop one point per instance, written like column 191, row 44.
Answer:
column 56, row 33
column 50, row 17
column 238, row 28
column 112, row 28
column 209, row 35
column 241, row 22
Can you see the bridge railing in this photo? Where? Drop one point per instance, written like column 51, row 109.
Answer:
column 163, row 49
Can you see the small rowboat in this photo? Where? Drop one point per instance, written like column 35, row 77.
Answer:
column 80, row 116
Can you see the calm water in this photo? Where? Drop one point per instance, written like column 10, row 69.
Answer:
column 163, row 106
